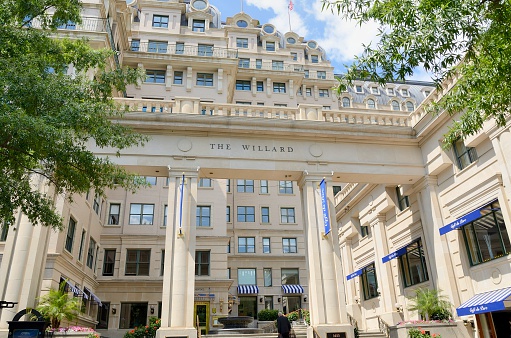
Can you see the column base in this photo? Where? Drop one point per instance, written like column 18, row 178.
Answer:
column 331, row 331
column 170, row 332
column 4, row 333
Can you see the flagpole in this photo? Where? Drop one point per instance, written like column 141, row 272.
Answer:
column 241, row 6
column 289, row 9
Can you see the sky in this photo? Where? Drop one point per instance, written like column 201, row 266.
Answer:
column 341, row 39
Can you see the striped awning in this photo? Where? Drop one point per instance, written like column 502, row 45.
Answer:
column 94, row 297
column 247, row 289
column 70, row 287
column 486, row 302
column 292, row 288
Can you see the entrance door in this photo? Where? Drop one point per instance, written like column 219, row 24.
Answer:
column 201, row 316
column 291, row 303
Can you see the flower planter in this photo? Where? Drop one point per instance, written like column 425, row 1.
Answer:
column 447, row 329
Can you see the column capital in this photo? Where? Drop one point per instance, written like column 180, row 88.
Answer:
column 188, row 172
column 315, row 176
column 425, row 181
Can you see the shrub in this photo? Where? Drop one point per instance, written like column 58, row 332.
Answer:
column 267, row 315
column 428, row 303
column 145, row 331
column 58, row 305
column 419, row 333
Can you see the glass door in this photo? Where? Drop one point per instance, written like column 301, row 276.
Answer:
column 201, row 316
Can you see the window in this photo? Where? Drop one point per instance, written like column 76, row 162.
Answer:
column 306, row 73
column 390, row 91
column 91, row 252
column 247, row 277
column 161, row 21
column 375, row 90
column 246, row 214
column 155, row 76
column 371, row 104
column 359, row 89
column 242, row 42
column 202, row 263
column 287, row 215
column 426, row 93
column 199, row 25
column 245, row 185
column 260, row 86
column 487, row 238
column 204, row 79
column 82, row 242
column 137, row 262
column 290, row 276
column 279, row 87
column 369, row 282
column 151, row 180
column 243, row 85
column 135, row 45
column 464, row 155
column 413, row 264
column 270, row 46
column 228, row 214
column 4, row 233
column 265, row 215
column 165, row 212
column 402, row 201
column 277, row 65
column 109, row 262
column 409, row 106
column 157, row 46
column 321, row 74
column 294, row 56
column 268, row 302
column 246, row 244
column 180, row 47
column 96, row 204
column 289, row 245
column 228, row 185
column 263, row 186
column 267, row 277
column 327, row 107
column 404, row 92
column 299, row 92
column 285, row 187
column 141, row 213
column 365, row 230
column 243, row 63
column 203, row 216
column 266, row 246
column 205, row 183
column 114, row 213
column 205, row 50
column 162, row 264
column 308, row 91
column 133, row 315
column 395, row 105
column 70, row 236
column 324, row 93
column 68, row 25
column 259, row 63
column 314, row 59
column 178, row 77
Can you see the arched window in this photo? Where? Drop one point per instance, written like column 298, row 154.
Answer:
column 395, row 105
column 371, row 104
column 346, row 103
column 409, row 106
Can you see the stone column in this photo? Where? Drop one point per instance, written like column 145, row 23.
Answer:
column 23, row 263
column 441, row 268
column 179, row 275
column 326, row 285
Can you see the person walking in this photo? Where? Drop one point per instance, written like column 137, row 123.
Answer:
column 283, row 326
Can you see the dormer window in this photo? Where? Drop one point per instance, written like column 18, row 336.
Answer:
column 199, row 5
column 161, row 21
column 404, row 92
column 199, row 25
column 390, row 91
column 346, row 102
column 312, row 44
column 314, row 59
column 242, row 42
column 375, row 90
column 409, row 106
column 269, row 29
column 291, row 40
column 395, row 105
column 359, row 89
column 426, row 93
column 371, row 104
column 242, row 23
column 270, row 46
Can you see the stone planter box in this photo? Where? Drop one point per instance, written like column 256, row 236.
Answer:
column 446, row 330
column 72, row 334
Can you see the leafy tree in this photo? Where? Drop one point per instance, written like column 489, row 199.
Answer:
column 47, row 118
column 58, row 305
column 465, row 39
column 429, row 303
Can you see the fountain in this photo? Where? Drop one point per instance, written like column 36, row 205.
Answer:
column 236, row 325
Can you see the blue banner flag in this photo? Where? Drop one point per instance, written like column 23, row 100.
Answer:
column 324, row 205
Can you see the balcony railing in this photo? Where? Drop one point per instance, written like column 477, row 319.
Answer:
column 162, row 48
column 345, row 116
column 89, row 24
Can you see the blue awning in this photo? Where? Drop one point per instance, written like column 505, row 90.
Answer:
column 94, row 297
column 248, row 289
column 486, row 302
column 292, row 288
column 397, row 253
column 461, row 221
column 354, row 274
column 70, row 287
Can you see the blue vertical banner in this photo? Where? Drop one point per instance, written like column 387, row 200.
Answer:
column 324, row 206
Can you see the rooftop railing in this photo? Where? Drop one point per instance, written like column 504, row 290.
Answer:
column 89, row 24
column 164, row 48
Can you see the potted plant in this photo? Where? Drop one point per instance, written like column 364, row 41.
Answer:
column 58, row 305
column 430, row 305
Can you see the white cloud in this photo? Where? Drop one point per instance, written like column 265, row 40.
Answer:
column 282, row 15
